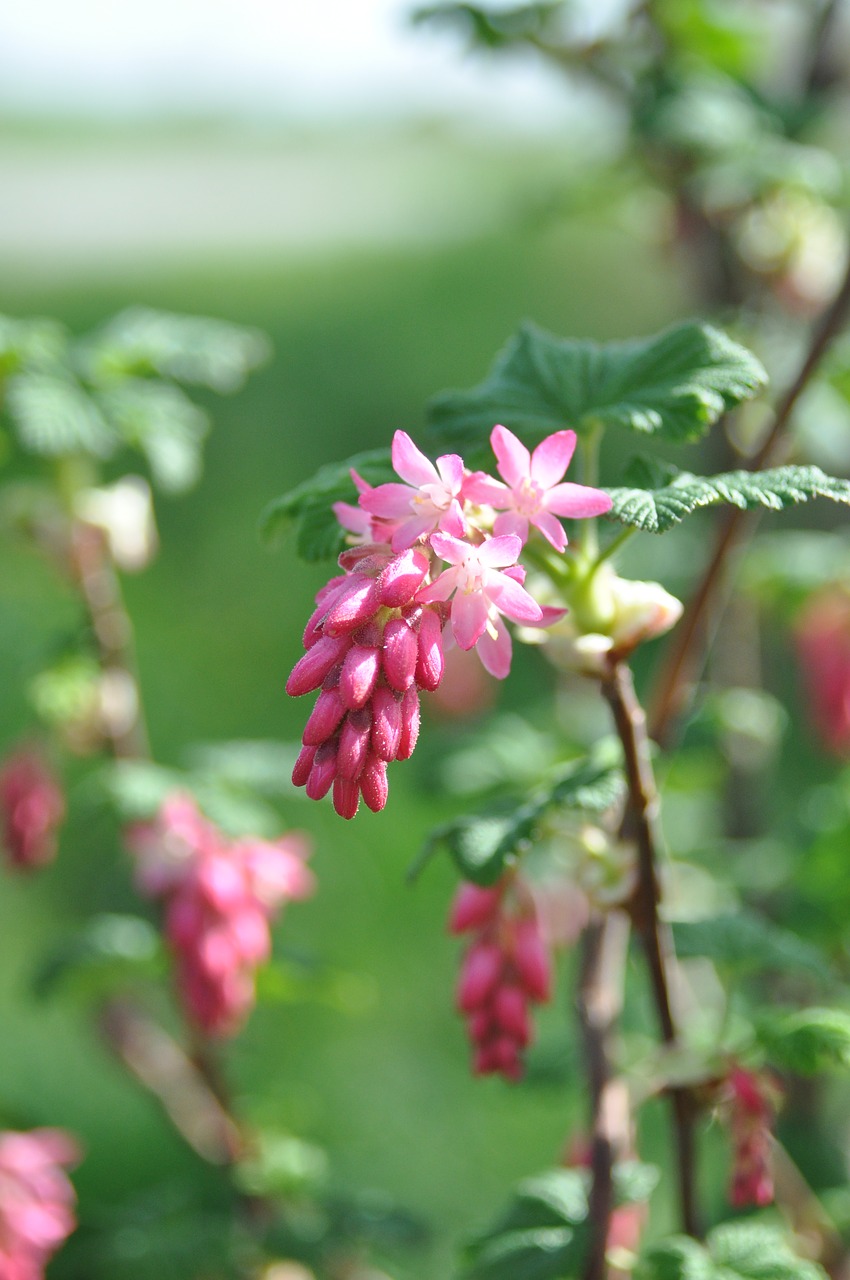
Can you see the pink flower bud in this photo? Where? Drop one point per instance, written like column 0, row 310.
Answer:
column 309, row 671
column 302, row 766
column 352, row 607
column 532, row 960
column 373, row 783
column 32, row 807
column 386, row 722
column 482, row 967
column 346, row 797
column 430, row 662
column 354, row 744
column 400, row 654
column 403, row 577
column 409, row 725
column 323, row 771
column 325, row 717
column 511, row 1012
column 473, row 907
column 359, row 673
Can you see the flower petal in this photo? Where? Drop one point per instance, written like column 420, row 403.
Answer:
column 452, row 521
column 495, row 653
column 410, row 463
column 483, row 489
column 469, row 617
column 450, row 548
column 576, row 500
column 440, row 589
column 392, row 501
column 513, row 600
column 496, row 553
column 512, row 456
column 411, row 531
column 552, row 457
column 513, row 523
column 551, row 529
column 450, row 467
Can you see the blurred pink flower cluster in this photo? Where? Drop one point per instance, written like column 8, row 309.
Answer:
column 36, row 1200
column 32, row 807
column 219, row 897
column 823, row 644
column 750, row 1118
column 505, row 969
column 436, row 558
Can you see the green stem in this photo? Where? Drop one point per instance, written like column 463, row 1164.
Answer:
column 590, row 442
column 614, row 545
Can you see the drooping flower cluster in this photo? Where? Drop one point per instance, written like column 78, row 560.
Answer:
column 219, row 897
column 36, row 1200
column 505, row 968
column 32, row 807
column 750, row 1118
column 376, row 637
column 823, row 645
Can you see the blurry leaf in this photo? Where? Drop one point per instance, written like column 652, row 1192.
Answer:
column 785, row 567
column 162, row 421
column 195, row 349
column 716, row 31
column 506, row 751
column 808, row 1040
column 319, row 534
column 634, row 1181
column 552, row 1199
column 280, row 1164
column 137, row 788
column 263, row 766
column 544, row 1253
column 29, row 342
column 494, row 28
column 745, row 942
column 108, row 950
column 53, row 415
column 735, row 1251
column 675, row 384
column 68, row 692
column 655, row 511
column 483, row 845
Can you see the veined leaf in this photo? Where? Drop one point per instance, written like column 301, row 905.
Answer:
column 744, row 941
column 53, row 415
column 675, row 384
column 162, row 421
column 494, row 28
column 542, row 1253
column 656, row 510
column 807, row 1040
column 734, row 1251
column 309, row 504
column 107, row 951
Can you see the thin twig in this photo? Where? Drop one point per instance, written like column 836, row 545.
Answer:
column 685, row 651
column 599, row 1002
column 642, row 820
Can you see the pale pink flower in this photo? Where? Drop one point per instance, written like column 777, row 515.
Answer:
column 532, row 493
column 36, row 1200
column 750, row 1117
column 429, row 499
column 32, row 807
column 481, row 593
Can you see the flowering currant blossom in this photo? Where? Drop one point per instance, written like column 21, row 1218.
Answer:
column 36, row 1200
column 532, row 493
column 424, row 569
column 750, row 1118
column 505, row 969
column 31, row 808
column 219, row 897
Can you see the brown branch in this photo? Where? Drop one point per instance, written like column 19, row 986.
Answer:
column 641, row 824
column 685, row 652
column 599, row 1002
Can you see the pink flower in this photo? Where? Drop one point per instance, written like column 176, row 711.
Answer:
column 750, row 1116
column 219, row 898
column 32, row 807
column 533, row 494
column 481, row 593
column 428, row 500
column 505, row 969
column 36, row 1200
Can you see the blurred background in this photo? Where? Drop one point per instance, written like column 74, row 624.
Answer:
column 387, row 208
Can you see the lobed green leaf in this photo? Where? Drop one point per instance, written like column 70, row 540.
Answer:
column 808, row 1040
column 675, row 385
column 734, row 1251
column 745, row 941
column 656, row 510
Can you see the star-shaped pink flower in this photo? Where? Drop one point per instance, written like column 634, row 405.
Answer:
column 428, row 500
column 533, row 493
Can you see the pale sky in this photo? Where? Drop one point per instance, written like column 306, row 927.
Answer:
column 304, row 57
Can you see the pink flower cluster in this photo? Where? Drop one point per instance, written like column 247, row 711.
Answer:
column 750, row 1115
column 376, row 637
column 505, row 968
column 36, row 1200
column 219, row 897
column 32, row 807
column 823, row 644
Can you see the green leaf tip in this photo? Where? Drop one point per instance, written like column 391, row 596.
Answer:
column 675, row 384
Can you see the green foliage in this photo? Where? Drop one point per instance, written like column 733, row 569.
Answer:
column 674, row 385
column 735, row 1251
column 657, row 510
column 807, row 1040
column 53, row 415
column 744, row 942
column 483, row 845
column 494, row 28
column 308, row 506
column 160, row 420
column 106, row 953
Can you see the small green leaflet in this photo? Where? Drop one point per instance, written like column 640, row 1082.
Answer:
column 807, row 1040
column 53, row 415
column 675, row 385
column 482, row 845
column 656, row 510
column 745, row 942
column 107, row 952
column 309, row 505
column 734, row 1251
column 494, row 28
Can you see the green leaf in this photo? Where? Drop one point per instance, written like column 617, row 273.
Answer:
column 483, row 845
column 676, row 385
column 108, row 950
column 137, row 788
column 194, row 349
column 634, row 1182
column 735, row 1251
column 262, row 766
column 807, row 1040
column 161, row 420
column 53, row 415
column 656, row 510
column 679, row 1258
column 544, row 1253
column 743, row 942
column 494, row 28
column 309, row 505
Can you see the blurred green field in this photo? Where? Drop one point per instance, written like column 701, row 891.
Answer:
column 376, row 1071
